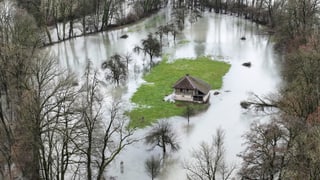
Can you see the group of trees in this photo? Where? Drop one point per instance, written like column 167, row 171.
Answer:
column 117, row 66
column 206, row 162
column 261, row 11
column 287, row 147
column 17, row 48
column 52, row 125
column 71, row 18
column 161, row 135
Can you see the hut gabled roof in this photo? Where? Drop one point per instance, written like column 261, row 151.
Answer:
column 189, row 82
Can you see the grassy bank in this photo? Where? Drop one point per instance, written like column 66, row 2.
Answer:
column 149, row 97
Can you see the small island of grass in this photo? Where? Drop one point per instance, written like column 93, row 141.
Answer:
column 149, row 98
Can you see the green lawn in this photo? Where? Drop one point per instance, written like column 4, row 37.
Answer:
column 149, row 97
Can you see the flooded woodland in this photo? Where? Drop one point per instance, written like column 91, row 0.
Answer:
column 101, row 89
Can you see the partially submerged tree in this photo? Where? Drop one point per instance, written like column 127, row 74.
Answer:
column 118, row 67
column 153, row 166
column 162, row 135
column 179, row 16
column 208, row 162
column 189, row 111
column 194, row 15
column 150, row 46
column 127, row 58
column 166, row 30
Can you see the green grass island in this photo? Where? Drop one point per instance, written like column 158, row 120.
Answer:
column 149, row 97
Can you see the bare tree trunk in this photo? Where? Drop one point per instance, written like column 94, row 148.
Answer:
column 48, row 35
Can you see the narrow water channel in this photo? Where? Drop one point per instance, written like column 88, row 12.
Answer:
column 214, row 35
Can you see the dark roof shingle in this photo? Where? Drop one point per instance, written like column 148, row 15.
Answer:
column 189, row 82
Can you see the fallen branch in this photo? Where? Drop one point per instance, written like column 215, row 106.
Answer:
column 258, row 104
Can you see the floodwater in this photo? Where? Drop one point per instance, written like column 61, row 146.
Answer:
column 215, row 35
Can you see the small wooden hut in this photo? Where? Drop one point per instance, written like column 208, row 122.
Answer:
column 191, row 89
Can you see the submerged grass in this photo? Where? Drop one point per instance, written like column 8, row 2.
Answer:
column 185, row 41
column 149, row 97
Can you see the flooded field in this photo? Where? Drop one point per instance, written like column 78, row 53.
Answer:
column 213, row 35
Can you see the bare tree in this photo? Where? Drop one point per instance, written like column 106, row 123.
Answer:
column 208, row 162
column 145, row 7
column 303, row 160
column 19, row 40
column 47, row 99
column 102, row 138
column 162, row 135
column 180, row 15
column 296, row 22
column 127, row 58
column 265, row 155
column 115, row 137
column 153, row 166
column 109, row 9
column 90, row 107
